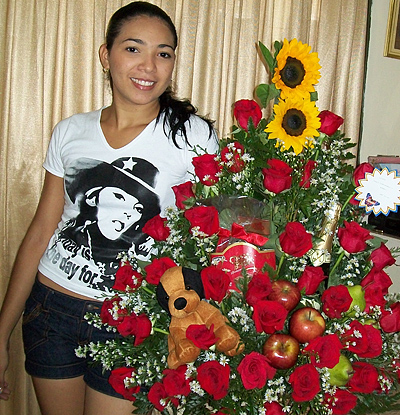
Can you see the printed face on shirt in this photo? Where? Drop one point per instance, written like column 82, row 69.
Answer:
column 140, row 61
column 117, row 211
column 108, row 205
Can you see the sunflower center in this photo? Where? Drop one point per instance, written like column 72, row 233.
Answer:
column 293, row 72
column 294, row 122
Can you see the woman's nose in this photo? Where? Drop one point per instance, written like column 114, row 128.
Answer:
column 148, row 63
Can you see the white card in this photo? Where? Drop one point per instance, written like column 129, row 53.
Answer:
column 379, row 191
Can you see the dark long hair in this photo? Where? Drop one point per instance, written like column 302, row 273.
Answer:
column 177, row 112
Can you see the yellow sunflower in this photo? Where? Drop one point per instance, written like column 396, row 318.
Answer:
column 295, row 124
column 297, row 69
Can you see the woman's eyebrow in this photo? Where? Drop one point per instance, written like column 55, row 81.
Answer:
column 141, row 42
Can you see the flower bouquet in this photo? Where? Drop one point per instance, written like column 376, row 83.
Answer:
column 305, row 287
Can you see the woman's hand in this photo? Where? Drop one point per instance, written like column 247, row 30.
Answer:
column 4, row 390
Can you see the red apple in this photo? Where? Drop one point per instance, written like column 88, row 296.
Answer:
column 306, row 324
column 281, row 350
column 285, row 293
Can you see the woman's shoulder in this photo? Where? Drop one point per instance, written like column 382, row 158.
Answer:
column 199, row 128
column 78, row 120
column 81, row 118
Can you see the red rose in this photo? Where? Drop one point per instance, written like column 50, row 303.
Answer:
column 204, row 217
column 156, row 269
column 157, row 228
column 390, row 320
column 232, row 157
column 182, row 193
column 336, row 300
column 308, row 169
column 127, row 279
column 277, row 176
column 157, row 393
column 305, row 383
column 324, row 351
column 374, row 341
column 175, row 382
column 245, row 109
column 111, row 312
column 295, row 240
column 353, row 237
column 377, row 278
column 310, row 279
column 138, row 326
column 201, row 336
column 330, row 122
column 214, row 378
column 273, row 408
column 116, row 380
column 255, row 370
column 355, row 339
column 360, row 171
column 373, row 297
column 269, row 316
column 341, row 403
column 206, row 168
column 215, row 282
column 258, row 289
column 364, row 379
column 382, row 257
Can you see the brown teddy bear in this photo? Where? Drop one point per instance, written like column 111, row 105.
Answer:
column 181, row 293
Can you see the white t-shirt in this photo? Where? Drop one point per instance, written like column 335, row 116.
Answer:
column 110, row 194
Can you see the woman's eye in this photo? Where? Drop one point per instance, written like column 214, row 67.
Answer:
column 165, row 55
column 131, row 49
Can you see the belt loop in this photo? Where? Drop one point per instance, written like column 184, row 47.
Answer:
column 48, row 292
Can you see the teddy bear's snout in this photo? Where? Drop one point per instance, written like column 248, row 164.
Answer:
column 180, row 303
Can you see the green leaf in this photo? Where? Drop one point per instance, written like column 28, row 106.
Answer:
column 267, row 56
column 266, row 92
column 277, row 47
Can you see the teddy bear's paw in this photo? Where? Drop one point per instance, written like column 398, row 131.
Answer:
column 228, row 340
column 173, row 361
column 186, row 351
column 239, row 348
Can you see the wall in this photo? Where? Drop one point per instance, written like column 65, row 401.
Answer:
column 381, row 123
column 381, row 120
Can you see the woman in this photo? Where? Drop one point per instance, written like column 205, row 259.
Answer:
column 117, row 166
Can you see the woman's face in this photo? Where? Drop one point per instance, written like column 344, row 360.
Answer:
column 140, row 61
column 117, row 212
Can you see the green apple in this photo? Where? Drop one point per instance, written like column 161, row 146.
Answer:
column 340, row 374
column 357, row 294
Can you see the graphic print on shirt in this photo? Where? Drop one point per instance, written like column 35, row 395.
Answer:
column 114, row 203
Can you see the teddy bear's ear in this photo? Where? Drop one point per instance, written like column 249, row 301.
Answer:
column 162, row 297
column 193, row 281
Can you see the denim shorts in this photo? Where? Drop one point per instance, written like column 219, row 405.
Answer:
column 53, row 326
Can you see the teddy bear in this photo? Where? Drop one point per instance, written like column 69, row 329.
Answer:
column 180, row 292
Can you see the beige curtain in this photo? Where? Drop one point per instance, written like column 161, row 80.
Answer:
column 49, row 70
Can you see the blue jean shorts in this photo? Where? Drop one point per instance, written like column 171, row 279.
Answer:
column 53, row 326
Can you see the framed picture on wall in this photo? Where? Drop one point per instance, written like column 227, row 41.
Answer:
column 392, row 44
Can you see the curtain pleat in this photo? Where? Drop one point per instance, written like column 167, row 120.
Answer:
column 49, row 69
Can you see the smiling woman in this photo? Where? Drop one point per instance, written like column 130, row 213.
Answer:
column 95, row 201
